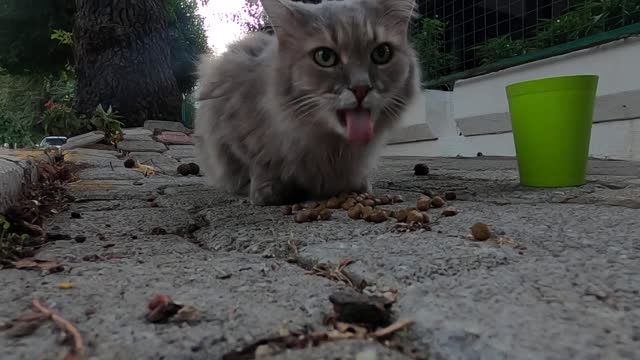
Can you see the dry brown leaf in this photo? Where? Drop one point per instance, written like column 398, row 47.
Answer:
column 46, row 266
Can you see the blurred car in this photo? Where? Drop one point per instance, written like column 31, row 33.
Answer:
column 55, row 142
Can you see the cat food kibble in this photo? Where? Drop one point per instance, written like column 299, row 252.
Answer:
column 377, row 216
column 195, row 169
column 425, row 217
column 325, row 214
column 286, row 210
column 401, row 215
column 415, row 216
column 355, row 212
column 129, row 163
column 184, row 169
column 480, row 232
column 303, row 217
column 369, row 202
column 449, row 212
column 349, row 204
column 314, row 213
column 423, row 203
column 437, row 202
column 334, row 203
column 450, row 195
column 421, row 169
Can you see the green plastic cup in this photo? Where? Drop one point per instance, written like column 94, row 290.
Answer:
column 551, row 120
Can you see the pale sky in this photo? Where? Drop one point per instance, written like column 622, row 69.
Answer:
column 220, row 32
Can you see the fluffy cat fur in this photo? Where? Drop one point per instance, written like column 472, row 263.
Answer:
column 269, row 123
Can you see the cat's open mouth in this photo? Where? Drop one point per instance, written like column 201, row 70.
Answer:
column 358, row 123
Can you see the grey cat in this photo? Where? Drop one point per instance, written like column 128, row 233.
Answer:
column 303, row 114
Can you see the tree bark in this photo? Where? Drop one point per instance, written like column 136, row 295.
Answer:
column 122, row 57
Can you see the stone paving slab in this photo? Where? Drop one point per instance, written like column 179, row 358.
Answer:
column 181, row 152
column 17, row 169
column 157, row 125
column 172, row 137
column 89, row 138
column 569, row 290
column 161, row 161
column 141, row 146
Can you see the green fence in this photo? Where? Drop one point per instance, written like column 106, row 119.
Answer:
column 457, row 39
column 187, row 111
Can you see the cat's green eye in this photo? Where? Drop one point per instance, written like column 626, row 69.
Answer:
column 382, row 54
column 325, row 57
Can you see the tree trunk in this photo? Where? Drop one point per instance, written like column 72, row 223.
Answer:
column 122, row 60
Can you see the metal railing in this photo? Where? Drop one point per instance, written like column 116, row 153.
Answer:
column 462, row 38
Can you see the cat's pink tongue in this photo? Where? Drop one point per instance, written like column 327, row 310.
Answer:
column 359, row 126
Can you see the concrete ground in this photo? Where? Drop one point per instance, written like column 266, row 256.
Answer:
column 566, row 286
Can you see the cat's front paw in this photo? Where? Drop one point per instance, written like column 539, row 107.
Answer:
column 274, row 193
column 364, row 187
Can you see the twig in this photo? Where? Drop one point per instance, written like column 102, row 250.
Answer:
column 78, row 347
column 393, row 328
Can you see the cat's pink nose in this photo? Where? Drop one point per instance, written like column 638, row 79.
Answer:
column 360, row 92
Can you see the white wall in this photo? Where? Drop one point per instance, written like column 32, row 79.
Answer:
column 617, row 64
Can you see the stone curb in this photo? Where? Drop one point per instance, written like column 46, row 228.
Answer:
column 17, row 170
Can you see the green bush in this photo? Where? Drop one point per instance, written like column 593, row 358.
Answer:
column 430, row 46
column 585, row 19
column 499, row 48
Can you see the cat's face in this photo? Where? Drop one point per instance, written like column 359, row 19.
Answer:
column 344, row 65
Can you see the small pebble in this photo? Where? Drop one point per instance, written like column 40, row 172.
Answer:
column 158, row 231
column 80, row 238
column 153, row 204
column 450, row 195
column 397, row 199
column 76, row 215
column 66, row 285
column 449, row 212
column 480, row 232
column 437, row 202
column 479, row 154
column 296, row 207
column 421, row 169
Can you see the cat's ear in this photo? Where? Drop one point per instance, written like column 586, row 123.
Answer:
column 397, row 14
column 286, row 17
